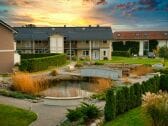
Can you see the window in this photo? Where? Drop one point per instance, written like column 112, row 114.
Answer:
column 85, row 53
column 104, row 53
column 165, row 33
column 118, row 34
column 137, row 34
column 18, row 42
column 87, row 42
column 104, row 41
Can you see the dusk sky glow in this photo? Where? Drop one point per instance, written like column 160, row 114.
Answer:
column 119, row 14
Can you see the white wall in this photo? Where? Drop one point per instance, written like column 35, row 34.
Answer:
column 16, row 58
column 56, row 44
column 141, row 48
column 162, row 43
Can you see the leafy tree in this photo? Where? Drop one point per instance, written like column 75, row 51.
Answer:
column 163, row 52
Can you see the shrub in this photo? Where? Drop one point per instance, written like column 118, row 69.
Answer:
column 15, row 94
column 25, row 83
column 30, row 56
column 132, row 97
column 142, row 70
column 54, row 73
column 121, row 53
column 90, row 111
column 120, row 101
column 85, row 112
column 110, row 106
column 163, row 52
column 156, row 106
column 99, row 96
column 78, row 65
column 99, row 63
column 74, row 114
column 42, row 63
column 164, row 82
column 137, row 91
column 126, row 92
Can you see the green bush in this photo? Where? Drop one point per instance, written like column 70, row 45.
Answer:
column 85, row 112
column 30, row 56
column 37, row 64
column 99, row 96
column 138, row 93
column 15, row 94
column 74, row 114
column 132, row 46
column 110, row 106
column 99, row 63
column 163, row 52
column 164, row 82
column 122, row 99
column 121, row 53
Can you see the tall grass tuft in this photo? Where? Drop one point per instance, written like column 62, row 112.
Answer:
column 24, row 82
column 156, row 105
column 142, row 70
column 100, row 84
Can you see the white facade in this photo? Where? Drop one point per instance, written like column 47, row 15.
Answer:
column 162, row 43
column 56, row 44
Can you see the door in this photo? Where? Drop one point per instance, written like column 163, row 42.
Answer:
column 95, row 55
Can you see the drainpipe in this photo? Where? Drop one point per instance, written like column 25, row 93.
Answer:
column 90, row 50
column 70, row 53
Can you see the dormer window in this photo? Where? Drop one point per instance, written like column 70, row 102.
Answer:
column 137, row 34
column 104, row 41
column 166, row 34
column 118, row 34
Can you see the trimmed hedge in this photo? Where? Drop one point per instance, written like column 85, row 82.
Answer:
column 128, row 45
column 122, row 99
column 121, row 53
column 164, row 82
column 30, row 56
column 37, row 64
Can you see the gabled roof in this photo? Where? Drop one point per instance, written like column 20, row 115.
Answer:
column 141, row 35
column 7, row 26
column 72, row 33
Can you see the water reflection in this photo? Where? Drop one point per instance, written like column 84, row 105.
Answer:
column 77, row 88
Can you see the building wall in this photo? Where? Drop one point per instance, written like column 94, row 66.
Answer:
column 56, row 44
column 6, row 50
column 162, row 43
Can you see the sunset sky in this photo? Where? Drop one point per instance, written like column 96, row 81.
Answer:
column 119, row 14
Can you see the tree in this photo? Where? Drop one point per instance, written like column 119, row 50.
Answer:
column 163, row 52
column 110, row 106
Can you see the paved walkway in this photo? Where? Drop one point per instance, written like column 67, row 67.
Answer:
column 47, row 115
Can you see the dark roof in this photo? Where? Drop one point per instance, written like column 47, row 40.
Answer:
column 7, row 26
column 72, row 33
column 141, row 35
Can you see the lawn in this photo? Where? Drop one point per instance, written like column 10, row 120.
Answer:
column 134, row 60
column 12, row 116
column 134, row 117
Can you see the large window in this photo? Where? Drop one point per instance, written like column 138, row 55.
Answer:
column 85, row 53
column 72, row 52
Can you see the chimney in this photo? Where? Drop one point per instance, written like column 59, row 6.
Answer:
column 90, row 26
column 98, row 25
column 64, row 26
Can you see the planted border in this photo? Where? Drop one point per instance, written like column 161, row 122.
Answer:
column 122, row 99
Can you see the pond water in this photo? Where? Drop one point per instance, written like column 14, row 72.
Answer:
column 76, row 88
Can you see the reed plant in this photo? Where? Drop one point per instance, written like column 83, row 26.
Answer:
column 24, row 82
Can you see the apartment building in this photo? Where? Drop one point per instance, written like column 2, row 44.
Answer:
column 81, row 42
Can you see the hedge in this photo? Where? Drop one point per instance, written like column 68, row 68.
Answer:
column 121, row 53
column 30, row 56
column 122, row 99
column 42, row 63
column 128, row 45
column 164, row 82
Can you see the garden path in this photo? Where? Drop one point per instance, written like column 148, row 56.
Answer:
column 47, row 115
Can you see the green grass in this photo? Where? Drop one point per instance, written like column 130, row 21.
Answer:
column 134, row 117
column 12, row 116
column 134, row 60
